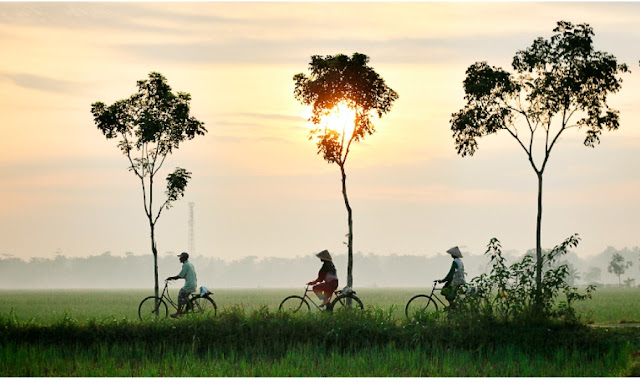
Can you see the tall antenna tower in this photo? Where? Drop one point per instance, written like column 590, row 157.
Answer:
column 192, row 246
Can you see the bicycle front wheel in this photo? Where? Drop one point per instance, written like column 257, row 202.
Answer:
column 152, row 308
column 294, row 304
column 420, row 305
column 204, row 305
column 342, row 303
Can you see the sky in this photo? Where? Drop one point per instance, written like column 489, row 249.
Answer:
column 258, row 186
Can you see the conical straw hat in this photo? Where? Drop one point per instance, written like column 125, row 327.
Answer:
column 324, row 255
column 455, row 252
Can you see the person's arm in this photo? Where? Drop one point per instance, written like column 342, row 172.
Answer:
column 321, row 274
column 181, row 275
column 449, row 275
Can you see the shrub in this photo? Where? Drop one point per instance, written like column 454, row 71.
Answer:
column 508, row 293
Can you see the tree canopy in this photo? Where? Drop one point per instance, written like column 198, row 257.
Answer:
column 562, row 77
column 348, row 80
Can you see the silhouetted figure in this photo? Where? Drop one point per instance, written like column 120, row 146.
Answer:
column 327, row 281
column 454, row 278
column 188, row 273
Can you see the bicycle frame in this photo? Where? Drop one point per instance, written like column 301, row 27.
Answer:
column 165, row 296
column 305, row 296
column 434, row 296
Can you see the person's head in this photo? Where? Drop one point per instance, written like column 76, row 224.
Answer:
column 324, row 256
column 183, row 257
column 455, row 252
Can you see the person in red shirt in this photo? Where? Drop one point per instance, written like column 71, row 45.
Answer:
column 327, row 281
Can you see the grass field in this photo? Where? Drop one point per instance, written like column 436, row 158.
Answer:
column 97, row 333
column 612, row 305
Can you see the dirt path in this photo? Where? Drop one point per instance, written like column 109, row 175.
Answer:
column 617, row 325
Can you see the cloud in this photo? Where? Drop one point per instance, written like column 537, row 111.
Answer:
column 92, row 16
column 37, row 82
column 257, row 51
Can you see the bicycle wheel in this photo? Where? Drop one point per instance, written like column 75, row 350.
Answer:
column 204, row 305
column 420, row 305
column 294, row 304
column 341, row 303
column 152, row 308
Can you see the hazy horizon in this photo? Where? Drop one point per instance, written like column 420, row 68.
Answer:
column 106, row 271
column 258, row 186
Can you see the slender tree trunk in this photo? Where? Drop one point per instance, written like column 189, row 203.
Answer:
column 350, row 221
column 155, row 259
column 539, row 244
column 152, row 225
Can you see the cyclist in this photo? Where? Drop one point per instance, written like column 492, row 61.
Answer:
column 327, row 281
column 454, row 278
column 188, row 273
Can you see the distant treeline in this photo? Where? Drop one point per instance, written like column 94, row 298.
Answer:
column 136, row 271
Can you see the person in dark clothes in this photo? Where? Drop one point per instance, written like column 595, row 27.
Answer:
column 327, row 281
column 454, row 278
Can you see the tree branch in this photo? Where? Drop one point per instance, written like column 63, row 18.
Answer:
column 160, row 165
column 160, row 211
column 515, row 136
column 553, row 142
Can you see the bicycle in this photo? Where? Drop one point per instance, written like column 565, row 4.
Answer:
column 422, row 303
column 153, row 307
column 298, row 304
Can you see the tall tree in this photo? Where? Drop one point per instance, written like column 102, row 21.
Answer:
column 150, row 125
column 618, row 266
column 338, row 82
column 556, row 85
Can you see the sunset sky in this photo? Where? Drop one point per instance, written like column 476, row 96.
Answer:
column 258, row 185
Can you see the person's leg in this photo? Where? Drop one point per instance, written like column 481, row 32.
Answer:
column 449, row 293
column 183, row 297
column 329, row 288
column 317, row 289
column 325, row 294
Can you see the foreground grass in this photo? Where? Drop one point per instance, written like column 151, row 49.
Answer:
column 266, row 343
column 307, row 361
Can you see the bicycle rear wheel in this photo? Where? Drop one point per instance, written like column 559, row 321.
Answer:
column 294, row 304
column 204, row 305
column 420, row 305
column 152, row 308
column 341, row 303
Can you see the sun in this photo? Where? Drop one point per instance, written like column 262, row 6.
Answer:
column 341, row 119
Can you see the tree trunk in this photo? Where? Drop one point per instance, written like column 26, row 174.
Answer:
column 538, row 244
column 350, row 221
column 152, row 225
column 155, row 259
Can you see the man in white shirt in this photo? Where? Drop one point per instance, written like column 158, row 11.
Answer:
column 188, row 273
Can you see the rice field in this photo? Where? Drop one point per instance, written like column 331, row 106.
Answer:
column 610, row 305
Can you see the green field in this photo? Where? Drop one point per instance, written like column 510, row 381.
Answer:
column 612, row 305
column 97, row 333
